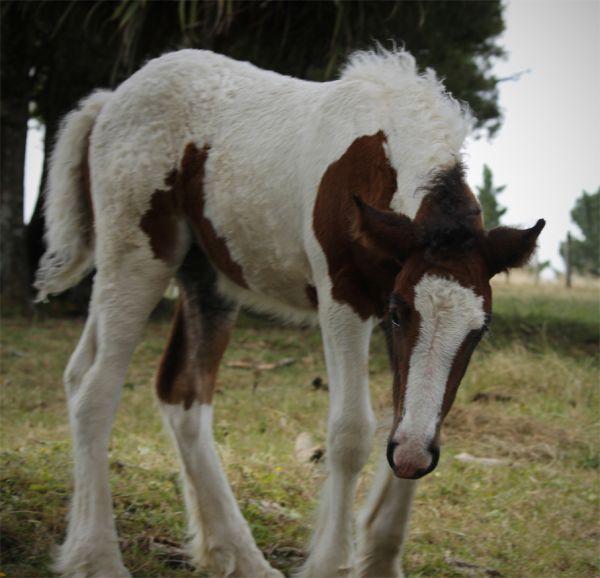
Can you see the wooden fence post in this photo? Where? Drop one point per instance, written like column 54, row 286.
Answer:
column 568, row 271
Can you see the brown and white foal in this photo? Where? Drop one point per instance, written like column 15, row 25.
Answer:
column 340, row 202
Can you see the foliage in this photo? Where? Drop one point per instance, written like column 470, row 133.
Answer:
column 585, row 252
column 101, row 43
column 525, row 399
column 487, row 194
column 67, row 49
column 311, row 39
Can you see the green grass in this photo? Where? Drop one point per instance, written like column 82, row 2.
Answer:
column 530, row 398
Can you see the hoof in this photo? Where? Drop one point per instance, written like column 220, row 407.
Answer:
column 317, row 570
column 234, row 561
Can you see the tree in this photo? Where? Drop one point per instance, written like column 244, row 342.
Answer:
column 487, row 194
column 585, row 252
column 67, row 49
column 537, row 267
column 53, row 53
column 311, row 39
column 16, row 82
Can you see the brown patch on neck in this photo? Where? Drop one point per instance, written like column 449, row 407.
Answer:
column 358, row 278
column 185, row 199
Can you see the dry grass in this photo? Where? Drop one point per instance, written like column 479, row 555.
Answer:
column 531, row 402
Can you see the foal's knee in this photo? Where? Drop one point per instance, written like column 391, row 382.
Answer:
column 349, row 442
column 75, row 372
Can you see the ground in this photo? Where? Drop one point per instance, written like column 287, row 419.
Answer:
column 529, row 401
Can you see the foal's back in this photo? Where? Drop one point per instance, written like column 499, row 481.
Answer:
column 234, row 137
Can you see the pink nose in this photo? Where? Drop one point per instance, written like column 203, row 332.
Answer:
column 412, row 465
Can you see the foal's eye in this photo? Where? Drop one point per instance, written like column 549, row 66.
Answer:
column 394, row 317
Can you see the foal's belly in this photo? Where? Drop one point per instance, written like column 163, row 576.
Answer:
column 260, row 221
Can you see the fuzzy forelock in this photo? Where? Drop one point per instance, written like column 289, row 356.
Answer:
column 451, row 226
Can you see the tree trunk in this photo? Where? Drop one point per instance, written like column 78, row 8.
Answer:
column 35, row 228
column 568, row 260
column 14, row 275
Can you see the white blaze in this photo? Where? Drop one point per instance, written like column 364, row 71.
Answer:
column 448, row 313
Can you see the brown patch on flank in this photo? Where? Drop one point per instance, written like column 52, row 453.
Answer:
column 161, row 223
column 185, row 199
column 359, row 278
column 189, row 365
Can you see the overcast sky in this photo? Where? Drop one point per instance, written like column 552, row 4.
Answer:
column 548, row 148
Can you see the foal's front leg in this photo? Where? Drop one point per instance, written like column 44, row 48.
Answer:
column 383, row 525
column 350, row 431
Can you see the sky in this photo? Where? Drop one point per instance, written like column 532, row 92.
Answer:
column 548, row 148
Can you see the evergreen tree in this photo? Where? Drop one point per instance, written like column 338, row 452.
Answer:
column 585, row 252
column 487, row 194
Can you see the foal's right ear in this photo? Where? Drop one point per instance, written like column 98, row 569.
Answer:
column 391, row 233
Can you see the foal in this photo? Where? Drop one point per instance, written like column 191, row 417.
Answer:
column 340, row 202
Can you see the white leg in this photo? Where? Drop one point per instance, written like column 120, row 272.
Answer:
column 350, row 431
column 383, row 525
column 121, row 304
column 220, row 537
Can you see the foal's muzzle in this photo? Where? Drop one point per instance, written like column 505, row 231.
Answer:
column 412, row 467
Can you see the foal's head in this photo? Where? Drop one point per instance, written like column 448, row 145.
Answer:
column 440, row 306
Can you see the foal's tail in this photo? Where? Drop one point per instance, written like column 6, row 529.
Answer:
column 68, row 210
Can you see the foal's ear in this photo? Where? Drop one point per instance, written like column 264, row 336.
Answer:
column 391, row 233
column 506, row 247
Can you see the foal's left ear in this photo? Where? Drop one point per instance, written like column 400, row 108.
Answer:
column 506, row 247
column 391, row 233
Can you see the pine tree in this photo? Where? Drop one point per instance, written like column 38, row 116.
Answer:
column 487, row 193
column 585, row 252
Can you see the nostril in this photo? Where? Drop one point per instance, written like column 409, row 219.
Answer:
column 435, row 458
column 392, row 445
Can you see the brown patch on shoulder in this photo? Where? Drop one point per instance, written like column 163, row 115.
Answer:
column 185, row 199
column 363, row 170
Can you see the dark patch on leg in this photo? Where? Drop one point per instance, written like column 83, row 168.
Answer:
column 172, row 364
column 200, row 334
column 311, row 293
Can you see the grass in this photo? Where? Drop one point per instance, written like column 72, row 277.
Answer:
column 530, row 398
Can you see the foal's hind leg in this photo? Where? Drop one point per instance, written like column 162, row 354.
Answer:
column 220, row 537
column 123, row 298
